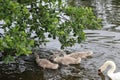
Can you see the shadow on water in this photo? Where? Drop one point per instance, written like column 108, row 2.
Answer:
column 104, row 43
column 27, row 75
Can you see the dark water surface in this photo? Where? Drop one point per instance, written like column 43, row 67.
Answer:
column 104, row 43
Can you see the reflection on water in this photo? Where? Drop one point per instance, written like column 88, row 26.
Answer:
column 103, row 37
column 109, row 11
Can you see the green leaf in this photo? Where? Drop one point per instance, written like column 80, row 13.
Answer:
column 31, row 42
column 8, row 58
column 26, row 28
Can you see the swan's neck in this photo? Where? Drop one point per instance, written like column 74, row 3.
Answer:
column 106, row 64
column 37, row 57
column 112, row 69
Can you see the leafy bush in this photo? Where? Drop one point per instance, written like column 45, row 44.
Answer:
column 26, row 22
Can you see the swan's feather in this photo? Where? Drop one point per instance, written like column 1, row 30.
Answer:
column 114, row 76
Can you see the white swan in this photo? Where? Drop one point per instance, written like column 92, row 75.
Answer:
column 110, row 73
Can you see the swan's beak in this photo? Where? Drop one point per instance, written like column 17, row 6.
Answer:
column 99, row 72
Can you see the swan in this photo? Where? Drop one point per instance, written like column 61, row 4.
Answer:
column 110, row 73
column 80, row 54
column 45, row 63
column 66, row 60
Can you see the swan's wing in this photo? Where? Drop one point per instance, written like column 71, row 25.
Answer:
column 115, row 76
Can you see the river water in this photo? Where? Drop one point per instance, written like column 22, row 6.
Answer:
column 105, row 43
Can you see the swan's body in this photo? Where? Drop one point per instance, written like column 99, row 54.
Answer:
column 45, row 63
column 66, row 60
column 80, row 54
column 110, row 73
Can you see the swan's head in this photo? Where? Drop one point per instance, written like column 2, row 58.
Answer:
column 90, row 53
column 102, row 68
column 99, row 72
column 56, row 66
column 36, row 55
column 101, row 75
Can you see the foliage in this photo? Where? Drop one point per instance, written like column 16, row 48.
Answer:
column 26, row 22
